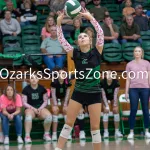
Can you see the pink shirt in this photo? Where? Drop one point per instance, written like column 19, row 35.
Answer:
column 45, row 33
column 5, row 101
column 140, row 71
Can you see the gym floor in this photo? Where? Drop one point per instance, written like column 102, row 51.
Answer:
column 108, row 144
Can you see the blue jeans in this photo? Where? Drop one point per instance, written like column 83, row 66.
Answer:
column 123, row 41
column 24, row 23
column 54, row 61
column 5, row 125
column 134, row 95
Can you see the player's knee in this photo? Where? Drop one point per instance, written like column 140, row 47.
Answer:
column 116, row 117
column 28, row 118
column 69, row 122
column 105, row 117
column 55, row 118
column 66, row 131
column 95, row 126
column 48, row 119
column 96, row 137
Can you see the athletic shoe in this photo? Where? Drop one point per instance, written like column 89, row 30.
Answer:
column 147, row 135
column 54, row 137
column 106, row 135
column 82, row 135
column 130, row 136
column 19, row 140
column 47, row 137
column 70, row 137
column 118, row 134
column 6, row 140
column 27, row 139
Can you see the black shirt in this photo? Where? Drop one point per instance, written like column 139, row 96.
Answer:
column 34, row 96
column 109, row 89
column 60, row 88
column 87, row 64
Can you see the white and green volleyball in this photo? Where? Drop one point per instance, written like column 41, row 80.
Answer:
column 72, row 8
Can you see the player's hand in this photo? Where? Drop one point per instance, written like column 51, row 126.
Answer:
column 115, row 109
column 55, row 109
column 65, row 109
column 106, row 110
column 39, row 111
column 35, row 110
column 86, row 14
column 60, row 17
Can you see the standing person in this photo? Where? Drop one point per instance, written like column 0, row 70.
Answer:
column 60, row 89
column 35, row 100
column 110, row 89
column 138, row 86
column 87, row 91
column 11, row 104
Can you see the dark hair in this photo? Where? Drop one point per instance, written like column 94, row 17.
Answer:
column 106, row 16
column 14, row 92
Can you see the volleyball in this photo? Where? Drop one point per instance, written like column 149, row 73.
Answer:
column 72, row 8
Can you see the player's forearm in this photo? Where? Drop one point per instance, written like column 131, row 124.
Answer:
column 45, row 101
column 24, row 102
column 100, row 34
column 67, row 47
column 116, row 96
column 67, row 97
column 104, row 98
column 54, row 99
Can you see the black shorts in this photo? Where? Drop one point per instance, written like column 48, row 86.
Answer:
column 86, row 99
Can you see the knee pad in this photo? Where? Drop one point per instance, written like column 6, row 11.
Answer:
column 96, row 137
column 48, row 119
column 66, row 131
column 80, row 116
column 28, row 118
column 116, row 117
column 55, row 118
column 105, row 117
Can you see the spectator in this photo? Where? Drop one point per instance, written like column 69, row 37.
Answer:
column 52, row 46
column 90, row 32
column 21, row 5
column 3, row 4
column 11, row 104
column 28, row 16
column 77, row 23
column 39, row 2
column 111, row 31
column 128, row 10
column 46, row 30
column 130, row 31
column 1, row 132
column 141, row 20
column 98, row 11
column 14, row 13
column 60, row 90
column 35, row 100
column 9, row 26
column 67, row 24
column 110, row 90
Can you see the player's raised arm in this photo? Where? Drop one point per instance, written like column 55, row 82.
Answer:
column 67, row 47
column 100, row 34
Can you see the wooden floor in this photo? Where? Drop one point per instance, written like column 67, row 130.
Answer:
column 137, row 144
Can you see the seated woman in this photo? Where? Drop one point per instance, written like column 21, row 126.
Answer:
column 11, row 104
column 46, row 30
column 28, row 16
column 110, row 89
column 77, row 23
column 90, row 32
column 35, row 100
column 60, row 89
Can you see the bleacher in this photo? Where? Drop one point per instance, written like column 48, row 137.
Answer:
column 115, row 56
